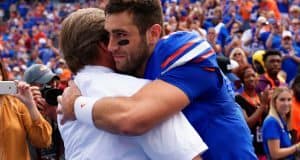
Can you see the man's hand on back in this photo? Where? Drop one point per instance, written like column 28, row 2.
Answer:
column 66, row 102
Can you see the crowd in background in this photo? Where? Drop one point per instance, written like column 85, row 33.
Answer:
column 243, row 33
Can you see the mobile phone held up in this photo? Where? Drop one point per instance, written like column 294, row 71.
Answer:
column 8, row 87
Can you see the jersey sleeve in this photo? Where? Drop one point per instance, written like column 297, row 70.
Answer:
column 271, row 129
column 174, row 139
column 193, row 80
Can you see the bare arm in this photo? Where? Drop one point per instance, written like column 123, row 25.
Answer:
column 137, row 114
column 270, row 40
column 276, row 152
column 25, row 95
column 254, row 118
column 296, row 58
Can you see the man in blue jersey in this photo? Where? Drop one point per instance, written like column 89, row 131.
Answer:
column 186, row 77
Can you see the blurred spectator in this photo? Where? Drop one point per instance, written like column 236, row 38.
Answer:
column 46, row 50
column 270, row 5
column 283, row 7
column 213, row 41
column 239, row 55
column 245, row 10
column 210, row 6
column 232, row 16
column 291, row 55
column 270, row 80
column 294, row 26
column 273, row 38
column 21, row 123
column 234, row 39
column 295, row 111
column 64, row 73
column 251, row 41
column 294, row 12
column 254, row 107
column 220, row 28
column 257, row 62
column 46, row 84
column 276, row 139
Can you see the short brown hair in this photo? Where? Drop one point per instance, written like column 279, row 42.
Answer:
column 145, row 12
column 81, row 33
column 240, row 72
column 3, row 71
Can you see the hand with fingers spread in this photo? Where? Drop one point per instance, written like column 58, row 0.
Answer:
column 66, row 101
column 265, row 98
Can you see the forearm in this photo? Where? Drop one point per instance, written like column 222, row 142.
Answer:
column 284, row 152
column 137, row 114
column 112, row 114
column 127, row 115
column 269, row 41
column 119, row 115
column 296, row 59
column 216, row 47
column 255, row 117
column 34, row 112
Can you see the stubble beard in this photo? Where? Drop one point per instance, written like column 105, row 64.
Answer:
column 134, row 64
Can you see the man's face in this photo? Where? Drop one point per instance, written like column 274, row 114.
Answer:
column 273, row 64
column 131, row 56
column 287, row 42
column 277, row 28
column 211, row 34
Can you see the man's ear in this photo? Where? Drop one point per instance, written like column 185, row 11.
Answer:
column 103, row 47
column 153, row 34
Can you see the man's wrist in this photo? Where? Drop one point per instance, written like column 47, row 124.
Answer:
column 83, row 109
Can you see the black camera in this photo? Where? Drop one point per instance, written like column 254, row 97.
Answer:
column 50, row 94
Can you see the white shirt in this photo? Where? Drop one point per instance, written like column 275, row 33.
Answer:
column 174, row 139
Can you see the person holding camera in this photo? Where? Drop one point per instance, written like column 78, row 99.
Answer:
column 45, row 90
column 21, row 123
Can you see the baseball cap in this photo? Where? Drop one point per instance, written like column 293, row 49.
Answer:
column 38, row 73
column 272, row 21
column 258, row 56
column 42, row 41
column 262, row 20
column 287, row 34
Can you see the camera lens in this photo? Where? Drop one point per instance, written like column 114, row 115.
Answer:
column 51, row 95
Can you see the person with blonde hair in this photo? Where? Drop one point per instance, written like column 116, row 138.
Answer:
column 240, row 56
column 276, row 138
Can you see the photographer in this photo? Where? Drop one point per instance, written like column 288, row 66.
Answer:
column 45, row 84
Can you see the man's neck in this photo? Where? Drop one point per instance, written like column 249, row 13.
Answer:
column 140, row 72
column 272, row 76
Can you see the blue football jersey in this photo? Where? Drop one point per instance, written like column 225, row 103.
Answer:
column 187, row 61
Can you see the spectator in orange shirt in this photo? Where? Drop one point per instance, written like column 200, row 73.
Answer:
column 295, row 110
column 21, row 123
column 245, row 11
column 270, row 5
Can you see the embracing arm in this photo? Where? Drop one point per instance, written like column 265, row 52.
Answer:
column 139, row 113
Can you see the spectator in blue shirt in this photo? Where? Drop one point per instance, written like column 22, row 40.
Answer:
column 276, row 139
column 291, row 55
